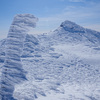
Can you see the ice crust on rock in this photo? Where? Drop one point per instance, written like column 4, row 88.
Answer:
column 12, row 71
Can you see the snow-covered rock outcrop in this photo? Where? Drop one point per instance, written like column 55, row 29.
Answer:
column 12, row 71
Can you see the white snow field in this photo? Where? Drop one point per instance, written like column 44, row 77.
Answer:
column 60, row 65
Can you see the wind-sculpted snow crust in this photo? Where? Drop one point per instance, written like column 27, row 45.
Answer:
column 12, row 71
column 61, row 65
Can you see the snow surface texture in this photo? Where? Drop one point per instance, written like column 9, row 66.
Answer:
column 61, row 65
column 12, row 71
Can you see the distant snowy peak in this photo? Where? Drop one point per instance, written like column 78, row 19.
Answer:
column 68, row 23
column 71, row 32
column 72, row 27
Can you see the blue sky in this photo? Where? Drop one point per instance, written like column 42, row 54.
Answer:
column 50, row 13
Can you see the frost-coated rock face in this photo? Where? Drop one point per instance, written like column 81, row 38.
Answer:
column 12, row 71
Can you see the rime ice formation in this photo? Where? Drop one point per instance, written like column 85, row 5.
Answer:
column 64, row 65
column 61, row 65
column 12, row 71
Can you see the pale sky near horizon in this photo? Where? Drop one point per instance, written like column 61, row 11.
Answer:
column 50, row 13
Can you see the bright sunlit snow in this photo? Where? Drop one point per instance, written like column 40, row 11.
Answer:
column 60, row 65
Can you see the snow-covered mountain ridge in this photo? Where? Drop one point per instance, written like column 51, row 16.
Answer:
column 61, row 65
column 71, row 32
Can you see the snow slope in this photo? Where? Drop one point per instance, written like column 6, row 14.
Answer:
column 61, row 65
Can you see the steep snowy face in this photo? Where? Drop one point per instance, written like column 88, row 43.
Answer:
column 12, row 71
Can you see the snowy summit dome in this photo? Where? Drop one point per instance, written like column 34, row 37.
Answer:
column 68, row 24
column 71, row 26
